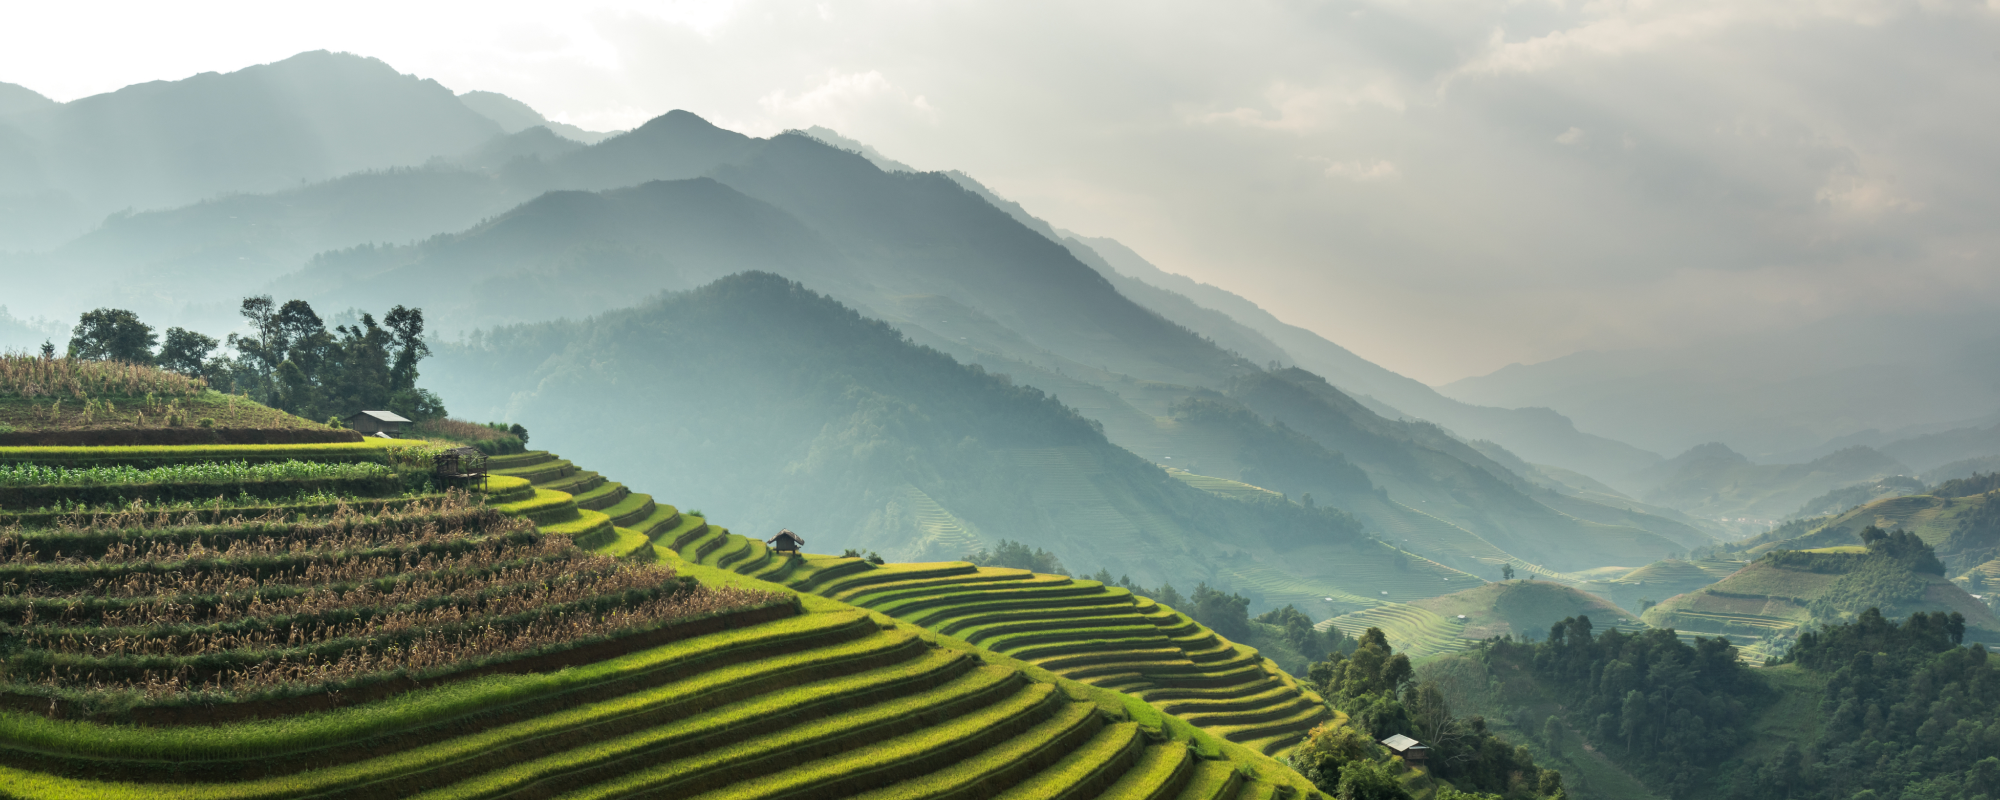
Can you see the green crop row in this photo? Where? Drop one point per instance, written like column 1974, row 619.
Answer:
column 814, row 699
column 1119, row 705
column 376, row 450
column 924, row 721
column 1086, row 768
column 207, row 568
column 716, row 689
column 67, row 515
column 29, row 474
column 350, row 660
column 145, row 540
column 263, row 738
column 79, row 615
column 1032, row 756
column 123, row 495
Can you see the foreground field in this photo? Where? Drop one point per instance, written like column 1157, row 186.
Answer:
column 766, row 693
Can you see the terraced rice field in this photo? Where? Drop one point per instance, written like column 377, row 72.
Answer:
column 1221, row 486
column 1064, row 485
column 1413, row 631
column 798, row 697
column 940, row 531
column 1355, row 578
column 1422, row 531
column 1078, row 629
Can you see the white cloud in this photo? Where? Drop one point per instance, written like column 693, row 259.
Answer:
column 1858, row 196
column 1573, row 136
column 1362, row 171
column 841, row 98
column 1297, row 109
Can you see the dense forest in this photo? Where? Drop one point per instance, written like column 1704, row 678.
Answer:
column 1877, row 709
column 1909, row 713
column 1379, row 691
column 1667, row 710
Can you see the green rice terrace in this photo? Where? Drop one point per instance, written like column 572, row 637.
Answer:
column 321, row 620
column 1082, row 630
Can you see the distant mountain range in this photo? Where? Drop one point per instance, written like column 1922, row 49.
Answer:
column 515, row 220
column 315, row 116
column 1787, row 395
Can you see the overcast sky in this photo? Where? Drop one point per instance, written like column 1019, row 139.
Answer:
column 1443, row 187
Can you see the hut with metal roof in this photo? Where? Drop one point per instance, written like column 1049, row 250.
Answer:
column 1412, row 751
column 373, row 422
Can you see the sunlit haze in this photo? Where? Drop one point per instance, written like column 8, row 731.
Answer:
column 1444, row 188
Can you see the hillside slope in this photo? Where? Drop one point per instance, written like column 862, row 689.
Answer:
column 326, row 619
column 1766, row 605
column 814, row 418
column 1540, row 434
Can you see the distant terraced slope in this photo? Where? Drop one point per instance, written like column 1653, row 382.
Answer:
column 1661, row 580
column 1078, row 629
column 1763, row 606
column 814, row 698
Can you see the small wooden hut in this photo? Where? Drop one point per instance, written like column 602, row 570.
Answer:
column 786, row 543
column 461, row 466
column 1412, row 751
column 372, row 422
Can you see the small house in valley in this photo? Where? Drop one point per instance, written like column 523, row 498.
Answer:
column 786, row 543
column 1412, row 751
column 373, row 422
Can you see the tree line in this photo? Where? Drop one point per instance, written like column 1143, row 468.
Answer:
column 1379, row 691
column 1899, row 710
column 289, row 361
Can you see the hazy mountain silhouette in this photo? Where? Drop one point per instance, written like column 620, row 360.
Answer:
column 1715, row 482
column 16, row 99
column 576, row 253
column 514, row 116
column 1537, row 434
column 307, row 118
column 952, row 265
column 950, row 268
column 767, row 405
column 1781, row 394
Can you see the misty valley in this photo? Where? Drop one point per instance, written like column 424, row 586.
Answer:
column 851, row 479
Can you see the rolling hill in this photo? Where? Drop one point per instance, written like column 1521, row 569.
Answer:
column 815, row 418
column 372, row 634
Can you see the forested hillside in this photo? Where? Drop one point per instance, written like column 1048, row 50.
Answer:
column 758, row 398
column 1871, row 708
